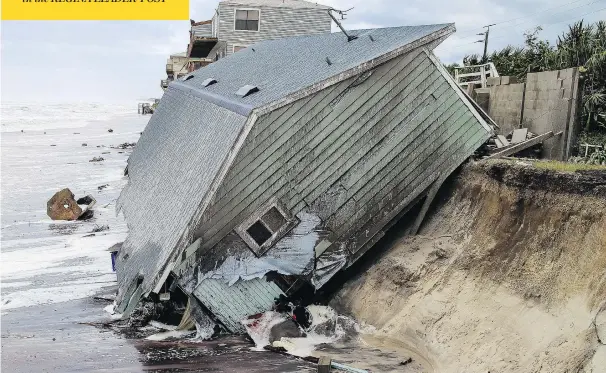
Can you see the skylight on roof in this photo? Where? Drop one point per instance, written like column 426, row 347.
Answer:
column 247, row 90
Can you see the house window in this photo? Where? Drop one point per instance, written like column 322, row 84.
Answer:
column 238, row 48
column 247, row 20
column 269, row 224
column 264, row 228
column 259, row 232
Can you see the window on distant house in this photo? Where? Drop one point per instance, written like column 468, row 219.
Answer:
column 238, row 48
column 265, row 227
column 247, row 20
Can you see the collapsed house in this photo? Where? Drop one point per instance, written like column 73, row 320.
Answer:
column 281, row 165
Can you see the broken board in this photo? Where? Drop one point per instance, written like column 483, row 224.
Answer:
column 521, row 146
column 519, row 135
column 501, row 141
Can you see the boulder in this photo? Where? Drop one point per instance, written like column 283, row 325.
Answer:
column 63, row 206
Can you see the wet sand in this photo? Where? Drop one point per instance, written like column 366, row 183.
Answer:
column 57, row 338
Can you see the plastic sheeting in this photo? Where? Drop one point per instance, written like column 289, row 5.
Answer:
column 327, row 265
column 292, row 255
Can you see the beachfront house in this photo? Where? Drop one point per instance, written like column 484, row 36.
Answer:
column 280, row 165
column 176, row 67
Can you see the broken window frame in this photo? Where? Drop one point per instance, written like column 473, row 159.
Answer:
column 276, row 235
column 247, row 22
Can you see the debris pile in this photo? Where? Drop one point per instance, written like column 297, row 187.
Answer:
column 520, row 142
column 126, row 145
column 100, row 228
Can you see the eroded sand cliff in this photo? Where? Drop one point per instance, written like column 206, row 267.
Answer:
column 507, row 275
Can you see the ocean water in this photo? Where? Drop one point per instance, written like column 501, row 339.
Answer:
column 30, row 117
column 42, row 151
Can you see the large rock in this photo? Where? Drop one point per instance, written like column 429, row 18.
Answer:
column 63, row 206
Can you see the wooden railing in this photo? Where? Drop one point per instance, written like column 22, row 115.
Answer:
column 478, row 75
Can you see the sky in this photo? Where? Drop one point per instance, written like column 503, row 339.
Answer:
column 106, row 61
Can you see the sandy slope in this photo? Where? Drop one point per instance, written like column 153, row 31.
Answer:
column 507, row 275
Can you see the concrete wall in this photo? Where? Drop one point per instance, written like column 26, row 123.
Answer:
column 505, row 106
column 548, row 101
column 550, row 105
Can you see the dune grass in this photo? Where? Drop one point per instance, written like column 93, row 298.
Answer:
column 566, row 166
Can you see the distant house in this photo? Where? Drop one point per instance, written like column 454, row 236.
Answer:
column 176, row 67
column 282, row 164
column 241, row 23
column 237, row 24
column 204, row 46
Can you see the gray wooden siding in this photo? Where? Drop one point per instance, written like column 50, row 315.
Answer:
column 275, row 23
column 233, row 304
column 215, row 25
column 369, row 143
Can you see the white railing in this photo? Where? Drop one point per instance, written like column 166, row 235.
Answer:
column 482, row 72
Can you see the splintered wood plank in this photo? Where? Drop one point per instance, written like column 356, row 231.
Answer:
column 521, row 146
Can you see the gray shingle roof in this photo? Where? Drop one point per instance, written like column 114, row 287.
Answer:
column 170, row 171
column 277, row 3
column 284, row 66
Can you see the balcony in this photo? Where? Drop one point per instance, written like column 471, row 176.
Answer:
column 164, row 83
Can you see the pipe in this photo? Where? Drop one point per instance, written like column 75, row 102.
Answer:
column 347, row 368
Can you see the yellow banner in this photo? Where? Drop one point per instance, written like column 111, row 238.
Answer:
column 85, row 10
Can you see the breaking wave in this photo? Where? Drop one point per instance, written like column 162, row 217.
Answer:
column 33, row 117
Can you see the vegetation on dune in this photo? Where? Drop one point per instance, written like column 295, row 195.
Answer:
column 567, row 166
column 582, row 45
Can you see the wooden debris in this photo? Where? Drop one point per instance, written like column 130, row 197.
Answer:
column 501, row 141
column 521, row 146
column 519, row 135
